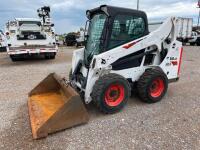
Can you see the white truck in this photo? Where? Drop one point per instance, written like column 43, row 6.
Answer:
column 195, row 40
column 3, row 42
column 32, row 36
column 184, row 28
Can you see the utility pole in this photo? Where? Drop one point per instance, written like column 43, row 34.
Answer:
column 138, row 4
column 198, row 19
column 199, row 14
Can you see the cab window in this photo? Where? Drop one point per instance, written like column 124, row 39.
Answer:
column 125, row 29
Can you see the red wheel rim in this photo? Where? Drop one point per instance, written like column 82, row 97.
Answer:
column 114, row 95
column 157, row 87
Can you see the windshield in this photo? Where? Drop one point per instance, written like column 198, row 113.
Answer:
column 29, row 23
column 94, row 35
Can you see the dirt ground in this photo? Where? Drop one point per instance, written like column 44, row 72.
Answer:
column 173, row 123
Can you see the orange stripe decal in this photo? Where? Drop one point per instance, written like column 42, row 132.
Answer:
column 180, row 61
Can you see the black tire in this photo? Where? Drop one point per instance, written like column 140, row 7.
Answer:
column 121, row 95
column 53, row 56
column 15, row 58
column 70, row 74
column 3, row 49
column 192, row 44
column 198, row 42
column 50, row 56
column 47, row 56
column 152, row 85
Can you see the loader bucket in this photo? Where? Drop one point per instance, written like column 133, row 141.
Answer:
column 54, row 106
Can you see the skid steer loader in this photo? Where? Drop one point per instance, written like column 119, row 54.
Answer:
column 120, row 56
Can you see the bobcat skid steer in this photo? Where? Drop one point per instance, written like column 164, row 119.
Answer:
column 120, row 56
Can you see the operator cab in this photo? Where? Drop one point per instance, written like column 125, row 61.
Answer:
column 110, row 27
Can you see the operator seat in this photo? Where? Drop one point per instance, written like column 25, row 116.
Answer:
column 123, row 35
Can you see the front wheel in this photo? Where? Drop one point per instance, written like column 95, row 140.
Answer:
column 152, row 86
column 198, row 42
column 15, row 58
column 110, row 93
column 70, row 74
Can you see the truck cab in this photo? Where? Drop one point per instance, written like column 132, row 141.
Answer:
column 195, row 39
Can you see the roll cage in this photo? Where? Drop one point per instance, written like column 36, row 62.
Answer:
column 113, row 25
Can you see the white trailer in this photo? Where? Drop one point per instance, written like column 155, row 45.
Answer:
column 183, row 30
column 32, row 36
column 3, row 42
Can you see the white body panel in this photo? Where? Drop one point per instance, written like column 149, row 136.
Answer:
column 154, row 26
column 170, row 65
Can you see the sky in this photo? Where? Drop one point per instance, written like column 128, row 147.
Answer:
column 69, row 15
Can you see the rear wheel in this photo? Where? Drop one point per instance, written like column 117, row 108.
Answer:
column 111, row 93
column 70, row 74
column 198, row 42
column 50, row 56
column 192, row 44
column 47, row 56
column 15, row 58
column 152, row 86
column 3, row 49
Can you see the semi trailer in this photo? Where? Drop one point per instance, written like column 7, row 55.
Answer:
column 184, row 28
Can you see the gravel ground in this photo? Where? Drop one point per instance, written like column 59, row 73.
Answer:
column 173, row 123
